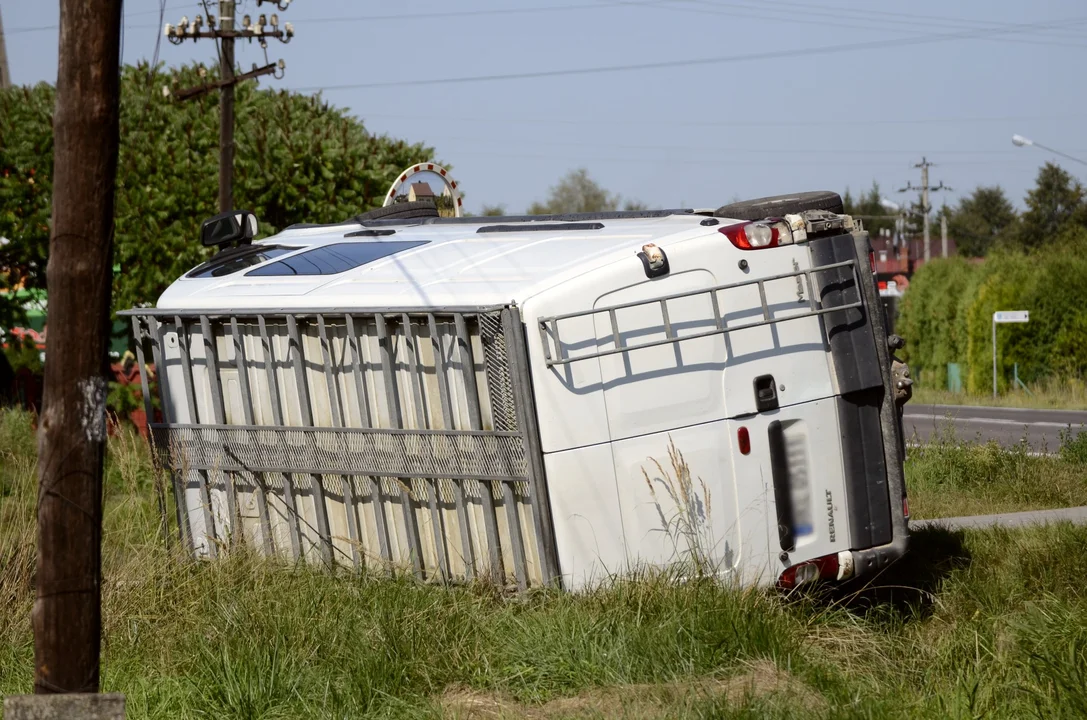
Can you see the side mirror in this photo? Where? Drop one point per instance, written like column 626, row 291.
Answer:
column 236, row 226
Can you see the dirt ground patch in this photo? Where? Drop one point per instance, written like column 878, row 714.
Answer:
column 640, row 702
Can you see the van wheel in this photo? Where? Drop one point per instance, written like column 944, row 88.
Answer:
column 779, row 205
column 401, row 211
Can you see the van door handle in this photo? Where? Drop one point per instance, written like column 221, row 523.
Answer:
column 766, row 394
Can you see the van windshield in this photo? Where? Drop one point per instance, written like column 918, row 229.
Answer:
column 332, row 259
column 230, row 262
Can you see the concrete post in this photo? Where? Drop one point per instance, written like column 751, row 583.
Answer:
column 73, row 706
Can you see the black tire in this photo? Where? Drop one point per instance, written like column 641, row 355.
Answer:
column 401, row 211
column 779, row 205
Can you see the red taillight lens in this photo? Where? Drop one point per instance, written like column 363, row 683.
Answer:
column 872, row 260
column 820, row 568
column 743, row 437
column 756, row 235
column 906, row 507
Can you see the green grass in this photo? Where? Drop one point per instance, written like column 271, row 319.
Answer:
column 951, row 479
column 1066, row 395
column 970, row 624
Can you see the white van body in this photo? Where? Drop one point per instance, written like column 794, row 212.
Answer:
column 606, row 378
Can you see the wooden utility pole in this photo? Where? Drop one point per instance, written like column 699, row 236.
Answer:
column 226, row 33
column 926, row 207
column 5, row 74
column 226, row 109
column 943, row 235
column 72, row 433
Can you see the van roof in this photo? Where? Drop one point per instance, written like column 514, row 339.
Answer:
column 454, row 262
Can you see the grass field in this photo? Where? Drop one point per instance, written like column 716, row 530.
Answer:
column 976, row 624
column 952, row 479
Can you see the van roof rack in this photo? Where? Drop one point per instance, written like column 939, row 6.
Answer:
column 557, row 217
column 506, row 219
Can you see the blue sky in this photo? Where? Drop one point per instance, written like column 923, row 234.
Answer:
column 784, row 96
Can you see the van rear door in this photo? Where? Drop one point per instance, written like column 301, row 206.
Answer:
column 666, row 414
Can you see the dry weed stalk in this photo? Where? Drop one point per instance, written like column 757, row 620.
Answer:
column 690, row 522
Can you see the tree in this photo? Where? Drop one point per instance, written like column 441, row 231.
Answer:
column 867, row 207
column 983, row 219
column 1056, row 202
column 297, row 160
column 576, row 192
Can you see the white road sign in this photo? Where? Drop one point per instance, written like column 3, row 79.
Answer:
column 1006, row 316
column 1011, row 316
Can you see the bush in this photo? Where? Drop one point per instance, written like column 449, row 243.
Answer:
column 298, row 159
column 948, row 311
column 929, row 318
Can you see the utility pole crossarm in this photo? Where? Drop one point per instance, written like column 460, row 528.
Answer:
column 233, row 35
column 194, row 92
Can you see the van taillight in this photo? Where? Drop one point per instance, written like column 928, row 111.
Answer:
column 906, row 507
column 838, row 566
column 743, row 437
column 872, row 260
column 758, row 235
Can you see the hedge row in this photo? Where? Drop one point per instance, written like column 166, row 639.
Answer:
column 946, row 315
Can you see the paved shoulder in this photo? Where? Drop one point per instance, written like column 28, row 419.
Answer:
column 1076, row 515
column 1015, row 416
column 1008, row 426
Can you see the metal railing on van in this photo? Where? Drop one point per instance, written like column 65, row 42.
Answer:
column 556, row 354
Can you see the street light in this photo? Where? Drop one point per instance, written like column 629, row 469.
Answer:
column 1020, row 141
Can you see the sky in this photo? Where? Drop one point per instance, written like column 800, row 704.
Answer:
column 692, row 103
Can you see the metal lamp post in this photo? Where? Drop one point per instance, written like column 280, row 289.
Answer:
column 1020, row 141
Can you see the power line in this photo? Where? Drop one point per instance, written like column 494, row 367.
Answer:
column 721, row 162
column 493, row 11
column 666, row 64
column 944, row 19
column 158, row 40
column 164, row 7
column 671, row 121
column 836, row 22
column 42, row 28
column 444, row 15
column 836, row 16
column 789, row 16
column 746, row 150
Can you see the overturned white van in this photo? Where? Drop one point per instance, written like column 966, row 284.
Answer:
column 498, row 397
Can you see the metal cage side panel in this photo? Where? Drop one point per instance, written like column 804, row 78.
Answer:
column 369, row 439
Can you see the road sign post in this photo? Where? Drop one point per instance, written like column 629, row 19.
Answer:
column 1006, row 316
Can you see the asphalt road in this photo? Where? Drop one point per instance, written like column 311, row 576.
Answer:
column 1007, row 426
column 1075, row 515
